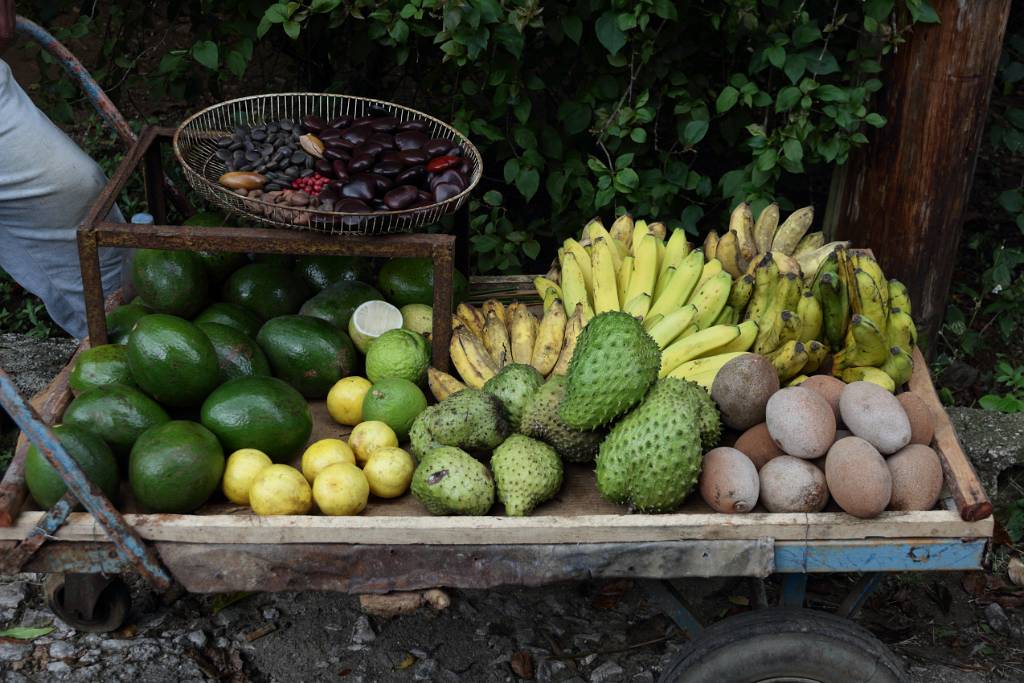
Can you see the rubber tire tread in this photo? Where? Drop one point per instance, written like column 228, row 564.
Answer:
column 739, row 650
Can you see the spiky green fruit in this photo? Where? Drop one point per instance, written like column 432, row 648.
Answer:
column 709, row 423
column 470, row 419
column 613, row 366
column 514, row 385
column 449, row 481
column 652, row 457
column 527, row 472
column 541, row 421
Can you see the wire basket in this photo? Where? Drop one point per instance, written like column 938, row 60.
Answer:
column 195, row 145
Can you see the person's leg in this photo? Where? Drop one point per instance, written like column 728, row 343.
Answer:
column 46, row 187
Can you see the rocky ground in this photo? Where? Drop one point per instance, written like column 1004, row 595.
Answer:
column 956, row 628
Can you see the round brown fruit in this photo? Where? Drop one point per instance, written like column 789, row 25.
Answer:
column 916, row 478
column 858, row 477
column 729, row 481
column 922, row 424
column 790, row 484
column 801, row 422
column 742, row 389
column 829, row 388
column 757, row 444
column 873, row 414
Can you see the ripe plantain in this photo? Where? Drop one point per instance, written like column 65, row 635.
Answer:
column 792, row 230
column 549, row 339
column 728, row 252
column 442, row 385
column 764, row 228
column 809, row 242
column 572, row 332
column 711, row 244
column 473, row 318
column 658, row 229
column 497, row 307
column 741, row 220
column 471, row 359
column 496, row 340
column 543, row 284
column 622, row 230
column 523, row 333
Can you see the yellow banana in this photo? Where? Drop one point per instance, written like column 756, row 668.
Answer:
column 868, row 374
column 865, row 345
column 743, row 342
column 638, row 306
column 740, row 293
column 766, row 279
column 543, row 284
column 497, row 307
column 664, row 279
column 900, row 330
column 808, row 243
column 582, row 260
column 816, row 352
column 770, row 323
column 742, row 221
column 789, row 359
column 550, row 335
column 457, row 323
column 551, row 296
column 572, row 332
column 791, row 326
column 622, row 230
column 681, row 286
column 658, row 229
column 728, row 316
column 863, row 259
column 645, row 268
column 574, row 286
column 473, row 318
column 787, row 264
column 811, row 316
column 711, row 244
column 639, row 231
column 704, row 370
column 623, row 277
column 523, row 332
column 471, row 359
column 810, row 261
column 442, row 385
column 797, row 381
column 899, row 366
column 712, row 268
column 764, row 228
column 661, row 258
column 606, row 295
column 710, row 299
column 617, row 251
column 670, row 326
column 695, row 345
column 899, row 297
column 869, row 296
column 496, row 340
column 728, row 252
column 792, row 230
column 675, row 251
column 595, row 224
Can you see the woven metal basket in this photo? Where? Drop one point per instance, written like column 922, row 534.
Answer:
column 195, row 145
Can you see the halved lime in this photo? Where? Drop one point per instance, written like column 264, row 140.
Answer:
column 372, row 319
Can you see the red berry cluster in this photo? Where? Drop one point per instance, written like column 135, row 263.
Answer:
column 311, row 184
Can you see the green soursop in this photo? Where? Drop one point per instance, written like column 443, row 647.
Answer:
column 449, row 481
column 614, row 365
column 541, row 421
column 470, row 419
column 527, row 472
column 708, row 421
column 514, row 385
column 652, row 457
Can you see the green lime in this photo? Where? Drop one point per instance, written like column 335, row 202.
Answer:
column 418, row 318
column 398, row 353
column 396, row 402
column 370, row 320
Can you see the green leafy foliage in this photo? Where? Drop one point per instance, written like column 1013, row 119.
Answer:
column 673, row 110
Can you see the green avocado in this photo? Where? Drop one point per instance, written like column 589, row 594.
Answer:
column 238, row 354
column 173, row 282
column 118, row 414
column 232, row 315
column 308, row 353
column 411, row 281
column 219, row 264
column 337, row 303
column 265, row 289
column 175, row 467
column 322, row 271
column 172, row 360
column 88, row 450
column 100, row 366
column 122, row 319
column 264, row 413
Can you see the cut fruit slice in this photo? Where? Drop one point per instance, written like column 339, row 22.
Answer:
column 372, row 319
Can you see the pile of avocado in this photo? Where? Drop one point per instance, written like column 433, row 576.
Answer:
column 218, row 352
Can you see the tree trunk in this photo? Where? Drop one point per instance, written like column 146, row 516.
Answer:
column 904, row 194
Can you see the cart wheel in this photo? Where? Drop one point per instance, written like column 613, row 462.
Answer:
column 785, row 645
column 89, row 602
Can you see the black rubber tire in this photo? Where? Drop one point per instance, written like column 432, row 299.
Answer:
column 785, row 644
column 112, row 606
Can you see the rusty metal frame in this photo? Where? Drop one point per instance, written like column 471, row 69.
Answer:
column 95, row 232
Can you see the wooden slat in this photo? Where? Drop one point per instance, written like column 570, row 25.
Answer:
column 961, row 479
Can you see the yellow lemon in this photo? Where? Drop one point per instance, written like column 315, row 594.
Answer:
column 341, row 490
column 389, row 471
column 280, row 490
column 241, row 469
column 368, row 437
column 345, row 400
column 324, row 453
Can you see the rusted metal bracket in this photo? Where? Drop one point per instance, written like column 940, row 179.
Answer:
column 46, row 528
column 129, row 546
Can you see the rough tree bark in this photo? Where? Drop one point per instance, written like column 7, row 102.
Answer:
column 904, row 194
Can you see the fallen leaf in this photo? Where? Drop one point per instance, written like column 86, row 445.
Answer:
column 25, row 633
column 1015, row 570
column 406, row 663
column 522, row 665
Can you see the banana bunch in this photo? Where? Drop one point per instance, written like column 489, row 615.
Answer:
column 747, row 241
column 488, row 338
column 867, row 319
column 686, row 303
